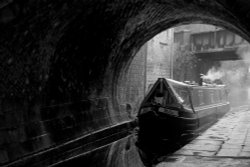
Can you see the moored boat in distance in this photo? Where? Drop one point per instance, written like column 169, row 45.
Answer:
column 174, row 111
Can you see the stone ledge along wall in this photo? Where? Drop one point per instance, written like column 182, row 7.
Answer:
column 61, row 62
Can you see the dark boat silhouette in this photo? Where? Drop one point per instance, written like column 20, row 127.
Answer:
column 175, row 112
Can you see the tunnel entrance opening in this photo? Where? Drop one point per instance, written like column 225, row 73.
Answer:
column 183, row 53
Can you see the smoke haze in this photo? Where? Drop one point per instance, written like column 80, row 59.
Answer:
column 214, row 74
column 234, row 74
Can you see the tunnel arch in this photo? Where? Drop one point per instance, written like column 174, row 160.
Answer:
column 55, row 38
column 119, row 46
column 120, row 42
column 123, row 62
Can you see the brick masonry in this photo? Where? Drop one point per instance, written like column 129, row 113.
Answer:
column 159, row 53
column 61, row 62
column 132, row 87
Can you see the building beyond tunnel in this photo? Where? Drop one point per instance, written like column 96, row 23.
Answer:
column 211, row 46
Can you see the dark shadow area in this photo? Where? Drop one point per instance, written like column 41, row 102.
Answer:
column 152, row 150
column 122, row 153
column 125, row 152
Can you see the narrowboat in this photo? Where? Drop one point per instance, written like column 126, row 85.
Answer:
column 176, row 111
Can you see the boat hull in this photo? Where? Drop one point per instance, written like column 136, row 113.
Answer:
column 166, row 129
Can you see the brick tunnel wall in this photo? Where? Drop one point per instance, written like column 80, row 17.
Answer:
column 61, row 63
column 159, row 57
column 133, row 84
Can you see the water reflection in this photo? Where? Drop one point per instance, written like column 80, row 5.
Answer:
column 126, row 152
column 121, row 153
column 152, row 151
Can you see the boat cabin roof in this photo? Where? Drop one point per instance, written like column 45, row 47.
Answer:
column 163, row 84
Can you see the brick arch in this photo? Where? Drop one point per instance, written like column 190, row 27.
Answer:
column 48, row 43
column 132, row 45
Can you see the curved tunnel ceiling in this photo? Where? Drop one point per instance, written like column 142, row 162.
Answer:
column 68, row 51
column 110, row 32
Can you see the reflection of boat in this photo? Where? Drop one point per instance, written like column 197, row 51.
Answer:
column 175, row 111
